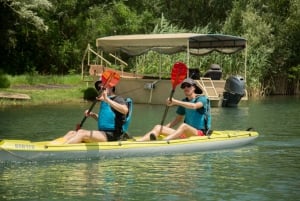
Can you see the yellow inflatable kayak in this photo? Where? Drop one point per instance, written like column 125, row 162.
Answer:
column 28, row 151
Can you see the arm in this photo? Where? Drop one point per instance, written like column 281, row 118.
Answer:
column 122, row 108
column 91, row 114
column 185, row 104
column 117, row 106
column 178, row 119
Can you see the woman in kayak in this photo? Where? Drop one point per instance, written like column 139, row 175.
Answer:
column 112, row 120
column 193, row 110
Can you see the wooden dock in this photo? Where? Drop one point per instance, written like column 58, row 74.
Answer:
column 15, row 96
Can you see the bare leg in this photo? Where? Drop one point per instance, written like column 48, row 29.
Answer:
column 64, row 139
column 183, row 129
column 70, row 134
column 87, row 136
column 157, row 130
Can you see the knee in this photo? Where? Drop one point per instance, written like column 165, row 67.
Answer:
column 157, row 128
column 83, row 133
column 70, row 133
column 183, row 127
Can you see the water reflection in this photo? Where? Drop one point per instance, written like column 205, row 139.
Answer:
column 182, row 175
column 267, row 170
column 230, row 118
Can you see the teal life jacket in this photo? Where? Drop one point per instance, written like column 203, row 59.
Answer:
column 112, row 120
column 205, row 110
column 127, row 119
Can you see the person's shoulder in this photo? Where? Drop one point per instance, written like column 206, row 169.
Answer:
column 184, row 99
column 201, row 97
column 119, row 99
column 118, row 96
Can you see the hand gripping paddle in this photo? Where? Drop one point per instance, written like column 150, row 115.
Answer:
column 178, row 74
column 108, row 79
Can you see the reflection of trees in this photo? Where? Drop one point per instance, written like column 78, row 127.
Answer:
column 236, row 116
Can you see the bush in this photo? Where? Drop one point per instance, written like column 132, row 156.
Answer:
column 4, row 81
column 90, row 94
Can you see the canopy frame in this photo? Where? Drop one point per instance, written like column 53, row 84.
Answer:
column 171, row 43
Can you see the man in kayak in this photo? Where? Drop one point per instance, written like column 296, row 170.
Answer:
column 193, row 110
column 113, row 119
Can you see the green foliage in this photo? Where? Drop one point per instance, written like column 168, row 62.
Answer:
column 32, row 78
column 196, row 13
column 294, row 74
column 234, row 21
column 245, row 20
column 153, row 62
column 22, row 22
column 166, row 26
column 27, row 11
column 35, row 79
column 90, row 94
column 49, row 37
column 4, row 81
column 260, row 45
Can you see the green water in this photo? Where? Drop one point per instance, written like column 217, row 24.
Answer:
column 265, row 170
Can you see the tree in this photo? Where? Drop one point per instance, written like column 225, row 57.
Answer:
column 271, row 29
column 21, row 23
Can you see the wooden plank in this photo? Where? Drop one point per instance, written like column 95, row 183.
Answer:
column 16, row 96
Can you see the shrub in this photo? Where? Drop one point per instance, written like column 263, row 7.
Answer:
column 4, row 81
column 90, row 94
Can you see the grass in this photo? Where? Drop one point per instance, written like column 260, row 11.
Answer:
column 52, row 89
column 34, row 79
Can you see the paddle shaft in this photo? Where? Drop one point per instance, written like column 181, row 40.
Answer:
column 85, row 117
column 167, row 109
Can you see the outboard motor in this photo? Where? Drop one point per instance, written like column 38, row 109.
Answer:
column 234, row 91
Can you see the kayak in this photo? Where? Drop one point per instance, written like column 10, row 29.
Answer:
column 28, row 151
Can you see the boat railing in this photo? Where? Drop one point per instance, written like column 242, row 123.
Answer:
column 208, row 87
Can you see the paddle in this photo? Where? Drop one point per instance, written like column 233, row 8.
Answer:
column 108, row 79
column 178, row 74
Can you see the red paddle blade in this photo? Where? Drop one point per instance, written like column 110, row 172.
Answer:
column 178, row 74
column 110, row 78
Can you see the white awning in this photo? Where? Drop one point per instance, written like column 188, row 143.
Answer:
column 196, row 44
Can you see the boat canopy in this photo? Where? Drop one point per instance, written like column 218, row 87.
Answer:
column 195, row 44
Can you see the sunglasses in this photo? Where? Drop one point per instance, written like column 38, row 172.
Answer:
column 185, row 85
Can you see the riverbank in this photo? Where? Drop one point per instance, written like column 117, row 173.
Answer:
column 45, row 95
column 43, row 90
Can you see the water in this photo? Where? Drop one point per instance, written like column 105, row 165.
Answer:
column 266, row 170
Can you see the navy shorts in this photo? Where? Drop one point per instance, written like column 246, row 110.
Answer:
column 111, row 136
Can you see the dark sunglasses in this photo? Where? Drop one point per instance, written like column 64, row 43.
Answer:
column 185, row 85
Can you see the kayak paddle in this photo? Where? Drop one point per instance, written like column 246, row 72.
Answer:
column 178, row 74
column 108, row 79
